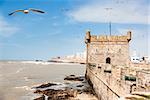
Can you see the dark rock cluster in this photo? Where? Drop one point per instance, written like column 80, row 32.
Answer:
column 46, row 85
column 56, row 94
column 69, row 92
column 74, row 78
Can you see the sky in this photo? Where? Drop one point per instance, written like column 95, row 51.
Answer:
column 61, row 29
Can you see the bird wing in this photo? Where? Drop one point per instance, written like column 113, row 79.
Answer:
column 35, row 10
column 15, row 12
column 11, row 13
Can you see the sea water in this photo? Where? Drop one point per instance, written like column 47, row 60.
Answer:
column 18, row 77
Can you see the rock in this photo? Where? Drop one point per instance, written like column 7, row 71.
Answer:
column 72, row 75
column 40, row 98
column 69, row 92
column 38, row 91
column 79, row 85
column 73, row 78
column 88, row 90
column 58, row 94
column 46, row 85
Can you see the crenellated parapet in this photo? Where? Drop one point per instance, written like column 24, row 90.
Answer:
column 107, row 38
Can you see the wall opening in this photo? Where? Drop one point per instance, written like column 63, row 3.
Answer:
column 108, row 60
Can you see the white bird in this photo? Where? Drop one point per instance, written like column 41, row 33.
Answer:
column 26, row 11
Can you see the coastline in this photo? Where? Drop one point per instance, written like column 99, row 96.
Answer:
column 42, row 62
column 23, row 75
column 73, row 88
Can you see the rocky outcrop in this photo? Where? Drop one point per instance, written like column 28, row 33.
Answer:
column 74, row 78
column 70, row 90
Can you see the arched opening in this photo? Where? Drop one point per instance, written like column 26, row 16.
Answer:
column 108, row 60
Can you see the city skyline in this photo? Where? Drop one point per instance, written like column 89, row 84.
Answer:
column 61, row 30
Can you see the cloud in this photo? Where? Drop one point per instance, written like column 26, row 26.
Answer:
column 128, row 11
column 6, row 29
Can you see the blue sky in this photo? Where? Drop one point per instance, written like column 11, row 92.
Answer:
column 61, row 30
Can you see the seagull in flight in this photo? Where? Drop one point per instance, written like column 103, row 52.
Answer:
column 26, row 11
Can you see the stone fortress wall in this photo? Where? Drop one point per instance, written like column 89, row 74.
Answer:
column 109, row 70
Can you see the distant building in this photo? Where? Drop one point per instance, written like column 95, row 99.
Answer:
column 135, row 59
column 74, row 58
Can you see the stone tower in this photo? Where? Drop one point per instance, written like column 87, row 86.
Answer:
column 112, row 50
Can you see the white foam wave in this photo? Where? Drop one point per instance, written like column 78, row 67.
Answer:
column 11, row 62
column 34, row 62
column 48, row 63
column 24, row 87
column 26, row 78
column 19, row 70
column 46, row 97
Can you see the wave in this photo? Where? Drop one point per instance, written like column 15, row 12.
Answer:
column 24, row 87
column 48, row 63
column 26, row 78
column 19, row 70
column 34, row 62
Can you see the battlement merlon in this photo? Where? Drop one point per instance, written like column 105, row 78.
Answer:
column 93, row 38
column 87, row 37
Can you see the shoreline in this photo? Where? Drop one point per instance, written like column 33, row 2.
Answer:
column 41, row 62
column 73, row 88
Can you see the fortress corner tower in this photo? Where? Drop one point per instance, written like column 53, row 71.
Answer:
column 112, row 50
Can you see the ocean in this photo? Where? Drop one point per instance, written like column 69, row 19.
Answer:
column 18, row 77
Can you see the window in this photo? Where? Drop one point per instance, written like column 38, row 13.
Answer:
column 108, row 60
